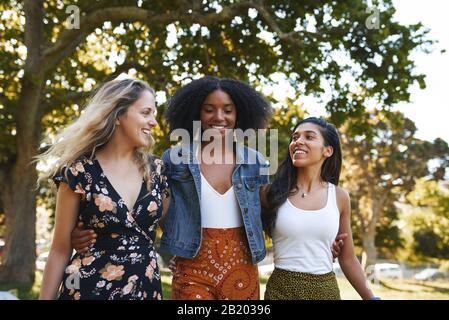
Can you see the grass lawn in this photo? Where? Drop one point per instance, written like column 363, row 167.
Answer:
column 406, row 289
column 387, row 290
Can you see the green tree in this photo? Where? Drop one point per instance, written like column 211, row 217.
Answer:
column 381, row 165
column 428, row 220
column 47, row 68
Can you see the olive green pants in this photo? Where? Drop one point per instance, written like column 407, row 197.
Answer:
column 289, row 285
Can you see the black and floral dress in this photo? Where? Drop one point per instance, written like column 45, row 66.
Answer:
column 122, row 264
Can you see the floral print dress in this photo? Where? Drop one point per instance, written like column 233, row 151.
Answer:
column 122, row 264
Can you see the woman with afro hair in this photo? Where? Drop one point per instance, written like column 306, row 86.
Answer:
column 213, row 224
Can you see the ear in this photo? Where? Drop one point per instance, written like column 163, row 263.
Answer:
column 117, row 122
column 328, row 151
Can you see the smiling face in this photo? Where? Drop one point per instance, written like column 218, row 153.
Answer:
column 138, row 120
column 218, row 113
column 307, row 147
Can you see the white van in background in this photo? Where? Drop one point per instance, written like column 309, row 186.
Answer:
column 387, row 271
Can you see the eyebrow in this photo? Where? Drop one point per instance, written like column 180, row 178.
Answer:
column 213, row 105
column 307, row 131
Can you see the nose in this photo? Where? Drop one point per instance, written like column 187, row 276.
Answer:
column 219, row 115
column 152, row 122
column 300, row 140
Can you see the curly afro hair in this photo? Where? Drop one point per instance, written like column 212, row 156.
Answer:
column 253, row 110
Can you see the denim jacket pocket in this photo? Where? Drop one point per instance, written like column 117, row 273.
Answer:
column 251, row 183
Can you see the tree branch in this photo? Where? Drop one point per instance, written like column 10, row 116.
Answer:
column 267, row 16
column 71, row 38
column 293, row 37
column 147, row 70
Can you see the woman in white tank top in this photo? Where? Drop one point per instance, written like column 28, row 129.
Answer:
column 303, row 211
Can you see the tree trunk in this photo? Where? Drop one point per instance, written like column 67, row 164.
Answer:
column 369, row 253
column 18, row 189
column 19, row 181
column 19, row 196
column 18, row 199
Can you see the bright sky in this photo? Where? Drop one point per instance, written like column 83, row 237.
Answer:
column 429, row 108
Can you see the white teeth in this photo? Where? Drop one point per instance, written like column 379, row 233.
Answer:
column 298, row 151
column 218, row 127
column 146, row 131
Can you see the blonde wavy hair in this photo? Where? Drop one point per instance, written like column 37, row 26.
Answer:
column 95, row 127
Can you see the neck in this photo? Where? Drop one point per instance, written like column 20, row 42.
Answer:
column 309, row 178
column 220, row 150
column 116, row 151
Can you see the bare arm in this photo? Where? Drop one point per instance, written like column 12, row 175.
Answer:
column 67, row 205
column 349, row 263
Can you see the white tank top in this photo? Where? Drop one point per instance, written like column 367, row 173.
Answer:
column 219, row 211
column 302, row 239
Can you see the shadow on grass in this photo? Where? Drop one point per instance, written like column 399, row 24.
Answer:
column 389, row 287
column 432, row 288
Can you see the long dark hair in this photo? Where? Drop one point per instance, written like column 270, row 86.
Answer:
column 284, row 183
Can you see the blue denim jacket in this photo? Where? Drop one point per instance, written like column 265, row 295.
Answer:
column 182, row 226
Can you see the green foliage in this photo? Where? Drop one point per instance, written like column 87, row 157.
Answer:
column 429, row 221
column 233, row 46
column 380, row 166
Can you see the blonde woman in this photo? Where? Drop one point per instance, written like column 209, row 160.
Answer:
column 107, row 179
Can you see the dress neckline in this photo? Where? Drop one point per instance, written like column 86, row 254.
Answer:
column 114, row 190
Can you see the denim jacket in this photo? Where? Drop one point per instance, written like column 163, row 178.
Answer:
column 182, row 232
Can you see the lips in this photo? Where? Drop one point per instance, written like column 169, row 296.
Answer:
column 219, row 127
column 298, row 152
column 146, row 131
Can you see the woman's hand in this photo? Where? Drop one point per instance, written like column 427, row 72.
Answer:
column 81, row 239
column 172, row 264
column 337, row 245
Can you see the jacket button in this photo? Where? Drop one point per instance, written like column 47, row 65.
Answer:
column 250, row 233
column 245, row 210
column 239, row 186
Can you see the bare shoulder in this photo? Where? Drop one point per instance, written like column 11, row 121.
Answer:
column 343, row 198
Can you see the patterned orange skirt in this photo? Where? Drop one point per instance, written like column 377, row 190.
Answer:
column 222, row 270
